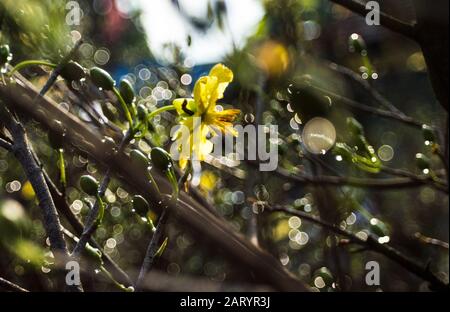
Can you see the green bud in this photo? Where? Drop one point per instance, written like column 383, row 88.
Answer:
column 5, row 54
column 422, row 162
column 357, row 44
column 89, row 185
column 56, row 140
column 325, row 274
column 56, row 137
column 94, row 255
column 140, row 205
column 138, row 158
column 343, row 150
column 73, row 71
column 361, row 143
column 109, row 144
column 142, row 112
column 161, row 159
column 428, row 133
column 127, row 91
column 378, row 227
column 354, row 126
column 102, row 79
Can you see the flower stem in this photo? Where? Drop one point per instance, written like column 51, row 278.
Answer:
column 27, row 63
column 101, row 210
column 116, row 283
column 160, row 110
column 124, row 107
column 153, row 182
column 62, row 169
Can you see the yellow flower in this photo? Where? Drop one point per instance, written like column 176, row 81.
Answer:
column 200, row 116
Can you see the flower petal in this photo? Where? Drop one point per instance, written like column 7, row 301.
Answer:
column 224, row 76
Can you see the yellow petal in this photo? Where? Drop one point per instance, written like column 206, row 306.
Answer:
column 224, row 76
column 201, row 93
column 223, row 73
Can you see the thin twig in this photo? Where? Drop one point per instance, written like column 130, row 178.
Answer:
column 387, row 183
column 438, row 183
column 369, row 109
column 5, row 284
column 154, row 245
column 55, row 73
column 377, row 96
column 5, row 144
column 152, row 248
column 372, row 244
column 432, row 241
column 386, row 20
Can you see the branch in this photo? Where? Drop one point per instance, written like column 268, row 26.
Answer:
column 5, row 284
column 386, row 20
column 372, row 244
column 152, row 248
column 21, row 150
column 77, row 225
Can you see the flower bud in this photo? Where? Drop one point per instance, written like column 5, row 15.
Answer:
column 357, row 44
column 56, row 140
column 142, row 112
column 138, row 158
column 94, row 255
column 126, row 91
column 5, row 54
column 161, row 159
column 73, row 71
column 343, row 150
column 56, row 137
column 140, row 205
column 378, row 227
column 428, row 133
column 102, row 79
column 354, row 126
column 89, row 185
column 422, row 162
column 325, row 274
